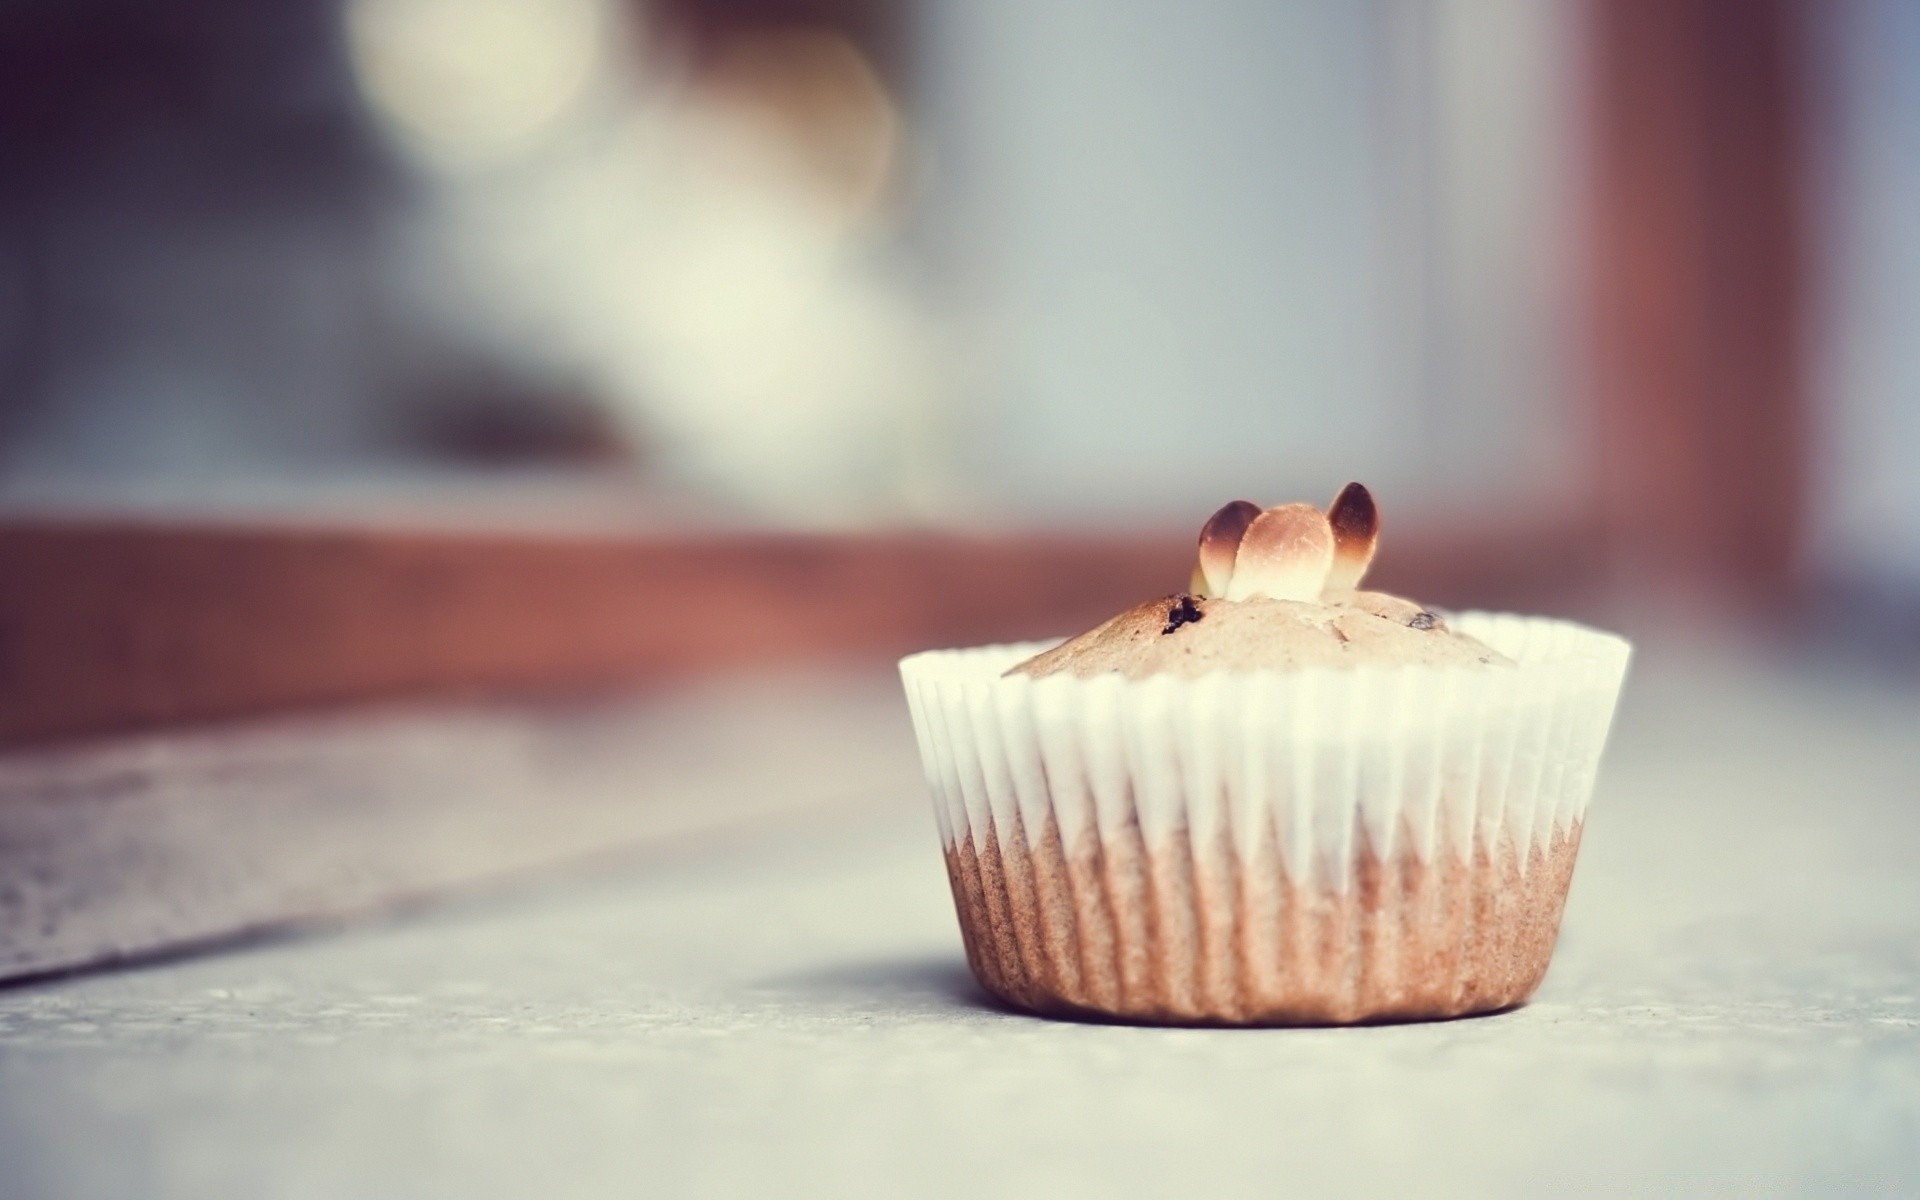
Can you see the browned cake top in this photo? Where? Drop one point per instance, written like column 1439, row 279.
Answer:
column 1272, row 590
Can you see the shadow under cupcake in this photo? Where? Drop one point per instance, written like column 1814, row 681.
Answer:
column 1274, row 799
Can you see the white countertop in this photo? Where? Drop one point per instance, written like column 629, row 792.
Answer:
column 1734, row 1010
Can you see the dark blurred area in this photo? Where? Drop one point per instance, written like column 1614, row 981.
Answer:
column 194, row 203
column 1627, row 275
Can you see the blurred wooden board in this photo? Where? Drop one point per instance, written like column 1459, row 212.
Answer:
column 118, row 624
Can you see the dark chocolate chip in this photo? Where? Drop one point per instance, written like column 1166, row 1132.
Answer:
column 1424, row 620
column 1181, row 612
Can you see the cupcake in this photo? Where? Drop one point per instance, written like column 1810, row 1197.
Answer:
column 1275, row 798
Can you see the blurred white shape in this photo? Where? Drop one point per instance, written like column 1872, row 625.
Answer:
column 708, row 254
column 463, row 81
column 827, row 111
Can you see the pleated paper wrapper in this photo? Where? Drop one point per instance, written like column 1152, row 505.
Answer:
column 1319, row 846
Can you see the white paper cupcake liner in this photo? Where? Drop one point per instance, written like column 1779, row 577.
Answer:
column 1398, row 809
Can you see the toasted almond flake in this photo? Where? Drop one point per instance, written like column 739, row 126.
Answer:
column 1356, row 533
column 1220, row 543
column 1285, row 554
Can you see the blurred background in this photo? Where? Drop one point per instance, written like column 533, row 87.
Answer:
column 1634, row 276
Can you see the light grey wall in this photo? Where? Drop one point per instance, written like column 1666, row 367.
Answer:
column 1226, row 247
column 1867, row 349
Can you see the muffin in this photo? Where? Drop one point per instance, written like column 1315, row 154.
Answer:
column 1275, row 798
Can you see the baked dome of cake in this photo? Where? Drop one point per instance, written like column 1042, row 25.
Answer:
column 1272, row 590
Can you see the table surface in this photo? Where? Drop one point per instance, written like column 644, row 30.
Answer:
column 1734, row 1010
